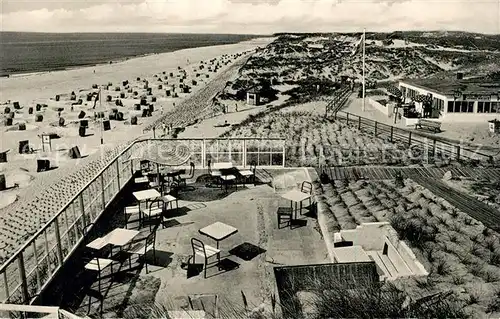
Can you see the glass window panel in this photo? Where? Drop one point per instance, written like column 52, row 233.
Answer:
column 211, row 146
column 276, row 146
column 470, row 107
column 495, row 107
column 252, row 145
column 480, row 107
column 223, row 157
column 265, row 146
column 487, row 107
column 237, row 159
column 196, row 159
column 464, row 106
column 264, row 159
column 277, row 159
column 210, row 157
column 224, row 146
column 195, row 146
column 450, row 106
column 237, row 146
column 252, row 157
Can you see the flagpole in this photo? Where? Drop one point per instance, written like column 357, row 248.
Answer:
column 102, row 117
column 364, row 40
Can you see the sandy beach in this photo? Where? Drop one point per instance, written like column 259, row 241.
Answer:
column 26, row 187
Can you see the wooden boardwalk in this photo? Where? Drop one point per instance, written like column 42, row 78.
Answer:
column 385, row 172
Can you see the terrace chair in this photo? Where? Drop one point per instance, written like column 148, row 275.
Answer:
column 169, row 200
column 306, row 188
column 249, row 172
column 214, row 174
column 153, row 213
column 141, row 248
column 130, row 210
column 94, row 262
column 205, row 251
column 284, row 213
column 183, row 178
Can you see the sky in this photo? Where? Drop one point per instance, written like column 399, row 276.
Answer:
column 249, row 16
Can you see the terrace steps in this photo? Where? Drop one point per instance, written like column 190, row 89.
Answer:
column 385, row 172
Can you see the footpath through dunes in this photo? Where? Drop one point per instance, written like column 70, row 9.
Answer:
column 49, row 193
column 199, row 106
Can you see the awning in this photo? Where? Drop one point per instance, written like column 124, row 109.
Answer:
column 166, row 154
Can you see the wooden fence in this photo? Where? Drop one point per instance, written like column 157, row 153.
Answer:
column 430, row 146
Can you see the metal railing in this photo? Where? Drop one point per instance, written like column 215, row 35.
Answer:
column 24, row 311
column 428, row 144
column 32, row 267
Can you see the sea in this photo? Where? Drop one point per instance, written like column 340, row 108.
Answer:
column 28, row 52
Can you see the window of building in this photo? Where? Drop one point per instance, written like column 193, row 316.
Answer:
column 460, row 106
column 488, row 107
column 450, row 107
column 495, row 107
column 438, row 104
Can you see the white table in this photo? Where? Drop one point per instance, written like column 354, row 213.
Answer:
column 295, row 196
column 146, row 194
column 218, row 231
column 227, row 178
column 223, row 165
column 141, row 180
column 118, row 237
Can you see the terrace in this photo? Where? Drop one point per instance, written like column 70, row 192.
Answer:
column 171, row 278
column 247, row 257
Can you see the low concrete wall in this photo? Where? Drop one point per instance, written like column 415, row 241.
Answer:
column 385, row 109
column 397, row 260
column 368, row 235
column 409, row 121
column 373, row 236
column 410, row 259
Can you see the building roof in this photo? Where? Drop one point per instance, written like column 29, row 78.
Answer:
column 448, row 87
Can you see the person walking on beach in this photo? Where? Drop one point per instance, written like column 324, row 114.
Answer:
column 164, row 127
column 236, row 106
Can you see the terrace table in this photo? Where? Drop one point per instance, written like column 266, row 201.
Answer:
column 140, row 180
column 145, row 196
column 118, row 237
column 218, row 231
column 295, row 196
column 228, row 178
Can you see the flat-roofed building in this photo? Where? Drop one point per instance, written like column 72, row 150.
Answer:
column 455, row 100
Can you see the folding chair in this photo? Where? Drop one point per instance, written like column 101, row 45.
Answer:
column 205, row 251
column 141, row 248
column 153, row 213
column 306, row 188
column 249, row 172
column 183, row 178
column 216, row 175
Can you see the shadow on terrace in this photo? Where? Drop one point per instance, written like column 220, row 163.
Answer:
column 136, row 258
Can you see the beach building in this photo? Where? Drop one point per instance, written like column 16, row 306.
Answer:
column 455, row 100
column 253, row 96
